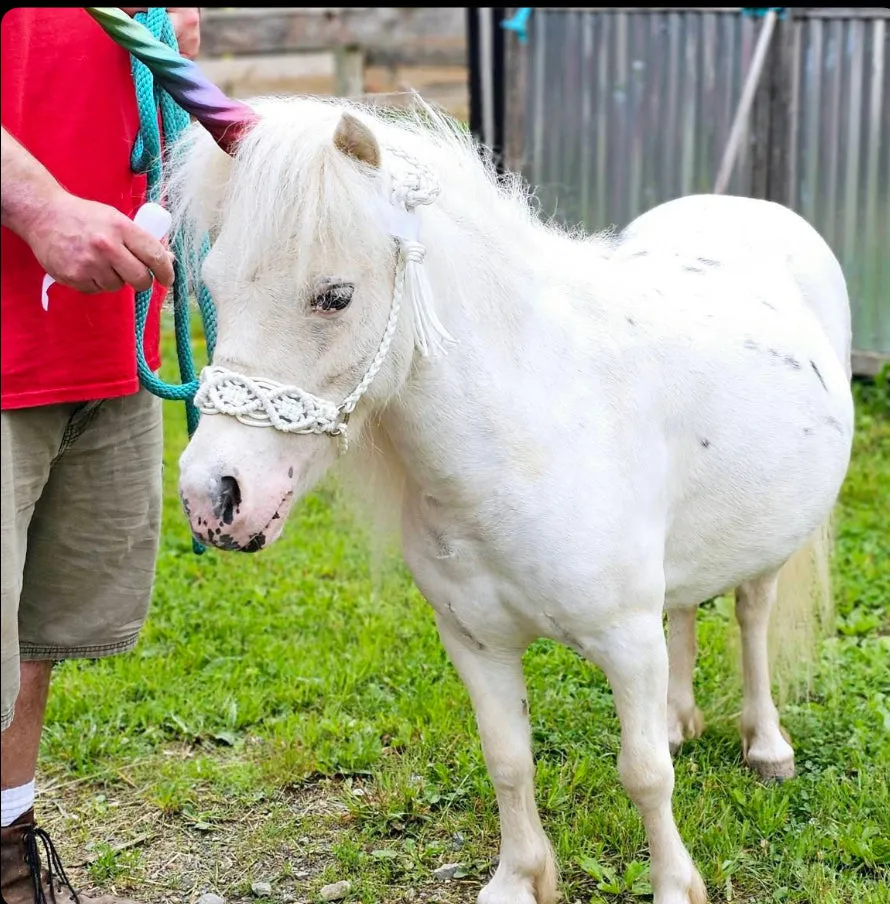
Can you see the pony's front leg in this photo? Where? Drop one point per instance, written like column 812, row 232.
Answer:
column 526, row 873
column 634, row 657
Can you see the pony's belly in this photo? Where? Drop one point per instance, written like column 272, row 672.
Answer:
column 741, row 518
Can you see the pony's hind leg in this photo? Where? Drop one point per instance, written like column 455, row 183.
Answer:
column 685, row 720
column 764, row 743
column 526, row 872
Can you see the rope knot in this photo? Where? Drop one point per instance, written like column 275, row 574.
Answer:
column 415, row 185
column 414, row 252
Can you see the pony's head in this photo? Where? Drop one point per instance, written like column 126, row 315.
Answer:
column 316, row 272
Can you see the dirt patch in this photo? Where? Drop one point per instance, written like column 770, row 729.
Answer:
column 111, row 841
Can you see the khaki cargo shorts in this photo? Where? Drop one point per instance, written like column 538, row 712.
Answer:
column 81, row 496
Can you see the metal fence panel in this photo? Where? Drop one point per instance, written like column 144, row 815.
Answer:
column 843, row 160
column 629, row 108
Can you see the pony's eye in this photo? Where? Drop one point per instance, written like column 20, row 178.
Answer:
column 333, row 297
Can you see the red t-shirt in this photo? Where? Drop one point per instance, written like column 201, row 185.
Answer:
column 68, row 97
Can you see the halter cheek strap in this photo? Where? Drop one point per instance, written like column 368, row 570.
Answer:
column 258, row 402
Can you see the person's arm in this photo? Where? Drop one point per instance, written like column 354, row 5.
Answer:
column 89, row 246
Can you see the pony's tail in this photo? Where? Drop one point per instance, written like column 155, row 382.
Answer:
column 803, row 615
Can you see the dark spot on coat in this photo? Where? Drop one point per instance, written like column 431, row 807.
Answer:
column 226, row 542
column 631, row 321
column 276, row 516
column 444, row 549
column 564, row 636
column 290, row 471
column 818, row 374
column 705, row 443
column 807, row 431
column 834, row 423
column 790, row 360
column 256, row 543
column 751, row 344
column 185, row 504
column 464, row 629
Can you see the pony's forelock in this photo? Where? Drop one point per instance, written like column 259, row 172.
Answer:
column 287, row 179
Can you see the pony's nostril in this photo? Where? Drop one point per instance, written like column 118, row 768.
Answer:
column 228, row 497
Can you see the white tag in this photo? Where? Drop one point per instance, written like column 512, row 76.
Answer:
column 154, row 219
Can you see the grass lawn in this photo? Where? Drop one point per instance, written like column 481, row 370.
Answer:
column 291, row 718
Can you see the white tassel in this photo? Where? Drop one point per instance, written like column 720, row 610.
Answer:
column 430, row 336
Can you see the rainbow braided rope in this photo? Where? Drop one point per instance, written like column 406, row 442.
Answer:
column 224, row 118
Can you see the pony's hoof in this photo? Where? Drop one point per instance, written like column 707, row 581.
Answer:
column 698, row 894
column 694, row 893
column 511, row 887
column 772, row 771
column 769, row 754
column 501, row 894
column 684, row 727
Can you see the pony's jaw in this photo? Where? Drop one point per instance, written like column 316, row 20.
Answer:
column 238, row 483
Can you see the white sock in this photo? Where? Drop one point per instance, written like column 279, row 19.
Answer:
column 14, row 802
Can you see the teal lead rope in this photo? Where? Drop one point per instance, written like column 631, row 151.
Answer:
column 146, row 158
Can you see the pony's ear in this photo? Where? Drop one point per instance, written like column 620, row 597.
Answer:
column 355, row 139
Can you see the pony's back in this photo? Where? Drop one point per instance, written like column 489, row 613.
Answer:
column 722, row 226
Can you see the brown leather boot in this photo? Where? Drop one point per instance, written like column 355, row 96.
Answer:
column 24, row 879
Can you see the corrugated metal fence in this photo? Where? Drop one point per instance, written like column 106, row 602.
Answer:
column 627, row 108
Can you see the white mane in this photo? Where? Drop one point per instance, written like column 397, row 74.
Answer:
column 288, row 179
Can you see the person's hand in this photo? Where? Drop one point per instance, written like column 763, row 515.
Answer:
column 186, row 21
column 95, row 248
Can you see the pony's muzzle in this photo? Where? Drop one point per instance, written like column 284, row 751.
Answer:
column 243, row 513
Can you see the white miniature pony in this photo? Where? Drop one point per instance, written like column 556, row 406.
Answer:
column 577, row 431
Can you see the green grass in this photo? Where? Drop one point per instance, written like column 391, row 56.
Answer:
column 291, row 717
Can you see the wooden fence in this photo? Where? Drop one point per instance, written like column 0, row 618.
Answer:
column 345, row 51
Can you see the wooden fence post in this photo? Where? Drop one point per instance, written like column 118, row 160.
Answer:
column 349, row 65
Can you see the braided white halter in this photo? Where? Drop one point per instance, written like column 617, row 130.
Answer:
column 258, row 402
